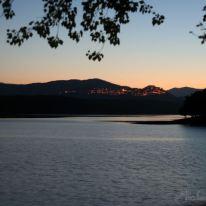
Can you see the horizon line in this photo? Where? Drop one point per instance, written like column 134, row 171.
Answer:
column 98, row 79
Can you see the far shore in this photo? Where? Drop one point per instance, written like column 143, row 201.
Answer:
column 184, row 121
column 181, row 121
column 76, row 115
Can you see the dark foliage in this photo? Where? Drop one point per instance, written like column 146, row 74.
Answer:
column 102, row 19
column 195, row 105
column 202, row 26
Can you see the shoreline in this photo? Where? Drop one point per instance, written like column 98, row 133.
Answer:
column 188, row 121
column 76, row 115
column 183, row 121
column 152, row 122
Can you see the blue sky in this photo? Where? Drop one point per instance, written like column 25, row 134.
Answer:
column 166, row 56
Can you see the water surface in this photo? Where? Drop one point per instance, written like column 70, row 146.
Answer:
column 89, row 161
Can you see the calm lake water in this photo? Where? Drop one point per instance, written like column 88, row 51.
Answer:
column 87, row 161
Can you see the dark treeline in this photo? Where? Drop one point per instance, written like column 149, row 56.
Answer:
column 62, row 105
column 195, row 105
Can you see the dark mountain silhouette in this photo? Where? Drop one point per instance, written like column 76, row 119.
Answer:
column 90, row 87
column 183, row 92
column 54, row 87
column 92, row 96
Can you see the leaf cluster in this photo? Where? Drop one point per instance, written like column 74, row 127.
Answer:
column 101, row 19
column 202, row 27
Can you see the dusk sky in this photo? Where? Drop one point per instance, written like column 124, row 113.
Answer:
column 166, row 56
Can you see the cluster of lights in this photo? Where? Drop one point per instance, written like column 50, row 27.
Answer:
column 150, row 90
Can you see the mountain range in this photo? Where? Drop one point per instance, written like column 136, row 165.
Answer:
column 89, row 88
column 183, row 92
column 92, row 96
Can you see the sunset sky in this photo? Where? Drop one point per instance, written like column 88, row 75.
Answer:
column 166, row 56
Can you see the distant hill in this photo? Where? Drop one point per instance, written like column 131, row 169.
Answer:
column 74, row 87
column 92, row 96
column 182, row 92
column 54, row 87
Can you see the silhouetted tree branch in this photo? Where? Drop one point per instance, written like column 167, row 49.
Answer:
column 101, row 19
column 202, row 26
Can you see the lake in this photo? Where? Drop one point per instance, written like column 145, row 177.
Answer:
column 89, row 161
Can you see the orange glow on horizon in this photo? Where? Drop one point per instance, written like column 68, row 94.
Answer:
column 133, row 84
